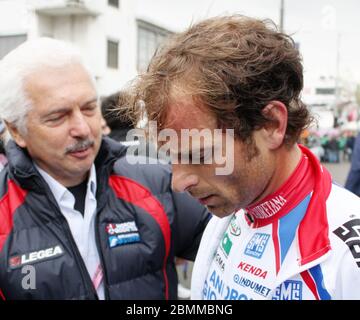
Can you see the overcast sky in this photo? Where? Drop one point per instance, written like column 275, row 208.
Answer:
column 320, row 26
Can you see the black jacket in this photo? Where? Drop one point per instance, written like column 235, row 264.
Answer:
column 34, row 231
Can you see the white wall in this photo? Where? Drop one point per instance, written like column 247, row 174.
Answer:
column 118, row 25
column 88, row 33
column 14, row 17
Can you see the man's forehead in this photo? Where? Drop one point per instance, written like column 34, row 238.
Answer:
column 68, row 68
column 184, row 113
column 60, row 85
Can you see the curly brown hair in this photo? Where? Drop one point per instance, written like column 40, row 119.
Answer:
column 235, row 66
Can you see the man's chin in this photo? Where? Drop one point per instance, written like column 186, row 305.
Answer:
column 220, row 211
column 79, row 170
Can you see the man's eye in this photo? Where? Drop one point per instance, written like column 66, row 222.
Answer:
column 55, row 119
column 90, row 109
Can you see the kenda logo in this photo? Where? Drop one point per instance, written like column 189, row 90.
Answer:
column 35, row 257
column 252, row 270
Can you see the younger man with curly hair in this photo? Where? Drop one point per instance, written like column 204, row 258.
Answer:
column 282, row 229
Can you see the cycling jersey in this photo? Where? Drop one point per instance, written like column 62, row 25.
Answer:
column 302, row 242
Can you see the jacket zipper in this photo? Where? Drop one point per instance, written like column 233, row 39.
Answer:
column 83, row 270
column 99, row 206
column 101, row 256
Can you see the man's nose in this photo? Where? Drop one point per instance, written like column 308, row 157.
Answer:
column 182, row 180
column 79, row 125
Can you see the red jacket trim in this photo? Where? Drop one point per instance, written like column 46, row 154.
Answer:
column 13, row 199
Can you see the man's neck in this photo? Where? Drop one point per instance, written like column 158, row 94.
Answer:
column 286, row 162
column 74, row 182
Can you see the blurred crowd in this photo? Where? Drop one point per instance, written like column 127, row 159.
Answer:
column 332, row 146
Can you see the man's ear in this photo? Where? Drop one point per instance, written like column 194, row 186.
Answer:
column 275, row 129
column 15, row 134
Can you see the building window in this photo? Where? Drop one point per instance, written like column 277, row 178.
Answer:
column 149, row 39
column 114, row 3
column 8, row 43
column 113, row 54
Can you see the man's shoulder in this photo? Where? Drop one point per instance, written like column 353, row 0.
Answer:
column 4, row 177
column 343, row 210
column 342, row 200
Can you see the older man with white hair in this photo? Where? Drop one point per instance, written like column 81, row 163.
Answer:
column 77, row 221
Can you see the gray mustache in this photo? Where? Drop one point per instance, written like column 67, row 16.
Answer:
column 80, row 145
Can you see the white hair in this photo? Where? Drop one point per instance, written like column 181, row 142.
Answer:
column 21, row 62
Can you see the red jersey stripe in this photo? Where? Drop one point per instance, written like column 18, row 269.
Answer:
column 310, row 283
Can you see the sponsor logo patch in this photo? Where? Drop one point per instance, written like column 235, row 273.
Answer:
column 268, row 208
column 119, row 228
column 288, row 290
column 247, row 283
column 257, row 245
column 215, row 288
column 122, row 233
column 234, row 228
column 252, row 270
column 349, row 232
column 35, row 257
column 122, row 239
column 219, row 261
column 226, row 244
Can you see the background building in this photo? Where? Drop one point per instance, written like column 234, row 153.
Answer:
column 114, row 43
column 117, row 38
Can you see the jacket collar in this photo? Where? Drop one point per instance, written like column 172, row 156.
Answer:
column 61, row 193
